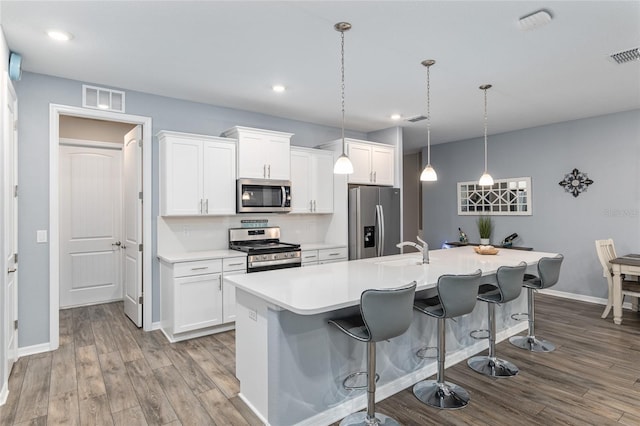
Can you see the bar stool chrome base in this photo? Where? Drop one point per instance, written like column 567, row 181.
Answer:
column 533, row 344
column 493, row 367
column 441, row 395
column 360, row 419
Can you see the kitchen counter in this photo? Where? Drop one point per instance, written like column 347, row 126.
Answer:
column 199, row 255
column 291, row 363
column 320, row 246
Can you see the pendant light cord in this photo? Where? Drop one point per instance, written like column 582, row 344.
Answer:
column 342, row 86
column 485, row 130
column 428, row 117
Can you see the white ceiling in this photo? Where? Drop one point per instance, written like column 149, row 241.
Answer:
column 230, row 53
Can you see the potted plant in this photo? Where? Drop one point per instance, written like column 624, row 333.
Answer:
column 485, row 228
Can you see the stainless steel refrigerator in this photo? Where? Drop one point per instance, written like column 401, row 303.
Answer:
column 374, row 221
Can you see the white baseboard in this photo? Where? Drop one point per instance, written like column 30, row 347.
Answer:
column 155, row 325
column 4, row 393
column 35, row 349
column 581, row 297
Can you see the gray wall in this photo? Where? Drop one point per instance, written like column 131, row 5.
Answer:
column 607, row 148
column 35, row 93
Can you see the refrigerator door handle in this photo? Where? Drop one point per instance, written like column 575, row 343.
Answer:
column 380, row 226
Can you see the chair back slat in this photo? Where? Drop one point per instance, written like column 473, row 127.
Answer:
column 606, row 251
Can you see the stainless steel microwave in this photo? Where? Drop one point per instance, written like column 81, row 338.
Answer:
column 263, row 196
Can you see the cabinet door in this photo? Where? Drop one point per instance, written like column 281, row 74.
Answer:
column 322, row 193
column 279, row 165
column 253, row 154
column 219, row 182
column 182, row 177
column 360, row 156
column 382, row 165
column 198, row 302
column 309, row 257
column 301, row 166
column 229, row 299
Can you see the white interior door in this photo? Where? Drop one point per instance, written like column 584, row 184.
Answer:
column 90, row 225
column 11, row 225
column 132, row 245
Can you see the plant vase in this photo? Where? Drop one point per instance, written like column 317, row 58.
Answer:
column 485, row 228
column 485, row 241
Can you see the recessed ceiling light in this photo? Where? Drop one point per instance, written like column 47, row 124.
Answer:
column 396, row 116
column 278, row 88
column 60, row 35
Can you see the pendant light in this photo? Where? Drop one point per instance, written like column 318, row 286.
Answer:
column 343, row 165
column 485, row 179
column 428, row 174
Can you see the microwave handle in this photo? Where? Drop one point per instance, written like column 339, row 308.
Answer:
column 284, row 196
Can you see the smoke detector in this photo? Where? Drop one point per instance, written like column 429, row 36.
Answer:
column 535, row 20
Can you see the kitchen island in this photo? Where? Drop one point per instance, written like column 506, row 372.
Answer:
column 291, row 363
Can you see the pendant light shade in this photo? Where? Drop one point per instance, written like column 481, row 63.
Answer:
column 485, row 179
column 428, row 174
column 343, row 165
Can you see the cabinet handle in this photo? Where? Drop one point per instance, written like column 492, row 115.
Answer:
column 310, row 205
column 200, row 268
column 269, row 171
column 220, row 283
column 375, row 177
column 236, row 264
column 370, row 176
column 310, row 257
column 334, row 254
column 264, row 170
column 206, row 206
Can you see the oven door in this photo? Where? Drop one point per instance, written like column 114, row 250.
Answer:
column 263, row 196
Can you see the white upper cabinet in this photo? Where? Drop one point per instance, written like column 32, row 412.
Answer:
column 262, row 154
column 311, row 180
column 197, row 174
column 373, row 163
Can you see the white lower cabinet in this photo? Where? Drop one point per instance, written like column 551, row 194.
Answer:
column 194, row 301
column 322, row 256
column 231, row 266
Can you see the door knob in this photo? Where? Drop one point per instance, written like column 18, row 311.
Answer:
column 117, row 243
column 10, row 271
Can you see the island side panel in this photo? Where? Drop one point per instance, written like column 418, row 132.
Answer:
column 309, row 359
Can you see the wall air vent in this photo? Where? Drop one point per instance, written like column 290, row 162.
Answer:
column 417, row 118
column 626, row 56
column 101, row 98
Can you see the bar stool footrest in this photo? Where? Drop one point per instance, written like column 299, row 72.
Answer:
column 520, row 316
column 475, row 334
column 422, row 353
column 353, row 376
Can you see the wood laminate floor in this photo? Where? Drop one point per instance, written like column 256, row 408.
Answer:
column 108, row 372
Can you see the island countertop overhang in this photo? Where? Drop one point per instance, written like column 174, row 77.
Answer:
column 329, row 287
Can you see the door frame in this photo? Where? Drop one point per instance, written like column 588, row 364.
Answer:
column 55, row 111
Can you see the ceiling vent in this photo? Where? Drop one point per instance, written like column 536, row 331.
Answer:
column 417, row 118
column 101, row 98
column 626, row 56
column 535, row 20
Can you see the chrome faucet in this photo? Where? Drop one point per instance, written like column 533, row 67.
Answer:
column 424, row 249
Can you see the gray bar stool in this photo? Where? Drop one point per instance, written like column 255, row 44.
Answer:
column 384, row 314
column 509, row 287
column 456, row 297
column 548, row 275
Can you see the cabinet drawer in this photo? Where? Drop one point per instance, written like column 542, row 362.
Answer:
column 309, row 256
column 333, row 254
column 234, row 264
column 187, row 269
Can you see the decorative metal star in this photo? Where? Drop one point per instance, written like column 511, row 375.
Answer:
column 575, row 182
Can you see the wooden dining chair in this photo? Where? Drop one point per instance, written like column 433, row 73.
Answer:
column 606, row 252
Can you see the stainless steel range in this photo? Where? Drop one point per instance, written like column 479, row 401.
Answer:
column 264, row 249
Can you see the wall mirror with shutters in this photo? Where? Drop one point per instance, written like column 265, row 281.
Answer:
column 512, row 196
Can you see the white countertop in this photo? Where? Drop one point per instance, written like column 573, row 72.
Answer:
column 199, row 255
column 323, row 288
